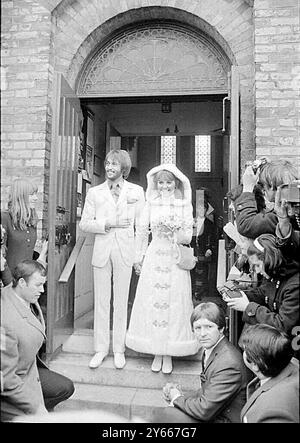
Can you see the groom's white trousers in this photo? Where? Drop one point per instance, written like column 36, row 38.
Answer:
column 119, row 273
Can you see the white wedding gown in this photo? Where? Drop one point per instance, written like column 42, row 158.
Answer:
column 160, row 318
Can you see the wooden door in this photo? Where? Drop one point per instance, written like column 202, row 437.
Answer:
column 212, row 179
column 200, row 158
column 65, row 147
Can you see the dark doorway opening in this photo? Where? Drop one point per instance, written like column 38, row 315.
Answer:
column 191, row 131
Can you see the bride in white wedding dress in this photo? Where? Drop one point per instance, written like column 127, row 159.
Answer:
column 160, row 318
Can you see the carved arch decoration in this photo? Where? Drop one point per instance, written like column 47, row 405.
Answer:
column 155, row 59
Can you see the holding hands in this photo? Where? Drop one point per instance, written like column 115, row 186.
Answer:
column 208, row 253
column 138, row 267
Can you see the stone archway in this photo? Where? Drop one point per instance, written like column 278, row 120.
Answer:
column 227, row 26
column 105, row 31
column 154, row 59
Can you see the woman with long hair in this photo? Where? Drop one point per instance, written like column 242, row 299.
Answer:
column 160, row 318
column 19, row 223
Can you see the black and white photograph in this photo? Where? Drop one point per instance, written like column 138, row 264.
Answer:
column 150, row 214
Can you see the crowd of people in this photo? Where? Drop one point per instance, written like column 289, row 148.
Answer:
column 151, row 232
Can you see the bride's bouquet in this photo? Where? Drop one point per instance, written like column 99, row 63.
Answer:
column 167, row 226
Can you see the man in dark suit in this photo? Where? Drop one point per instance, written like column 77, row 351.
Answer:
column 223, row 376
column 27, row 385
column 273, row 395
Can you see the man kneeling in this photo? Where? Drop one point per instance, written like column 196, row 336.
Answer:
column 223, row 376
column 27, row 385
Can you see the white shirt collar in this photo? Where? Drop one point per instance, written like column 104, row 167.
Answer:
column 209, row 351
column 264, row 380
column 114, row 183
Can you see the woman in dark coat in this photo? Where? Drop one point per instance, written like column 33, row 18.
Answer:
column 19, row 227
column 276, row 301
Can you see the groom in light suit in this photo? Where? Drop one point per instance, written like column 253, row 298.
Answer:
column 111, row 211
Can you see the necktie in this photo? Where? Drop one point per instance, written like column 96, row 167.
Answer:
column 35, row 312
column 203, row 361
column 202, row 375
column 115, row 190
column 252, row 387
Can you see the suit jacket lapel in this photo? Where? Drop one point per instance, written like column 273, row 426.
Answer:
column 28, row 315
column 40, row 315
column 265, row 387
column 252, row 397
column 214, row 352
column 123, row 193
column 108, row 193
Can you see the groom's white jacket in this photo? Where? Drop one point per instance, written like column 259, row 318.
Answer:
column 99, row 207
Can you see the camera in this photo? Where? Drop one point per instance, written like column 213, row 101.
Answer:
column 291, row 192
column 258, row 163
column 230, row 290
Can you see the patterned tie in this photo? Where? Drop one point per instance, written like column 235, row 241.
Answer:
column 203, row 360
column 115, row 191
column 202, row 375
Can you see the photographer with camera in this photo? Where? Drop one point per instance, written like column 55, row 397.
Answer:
column 276, row 301
column 252, row 222
column 287, row 208
column 238, row 242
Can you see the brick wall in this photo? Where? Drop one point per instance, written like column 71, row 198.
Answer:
column 25, row 48
column 40, row 36
column 277, row 74
column 81, row 26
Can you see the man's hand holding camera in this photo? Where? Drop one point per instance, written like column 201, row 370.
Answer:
column 287, row 206
column 251, row 174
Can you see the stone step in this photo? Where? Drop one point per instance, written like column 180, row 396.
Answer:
column 82, row 341
column 136, row 374
column 126, row 402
